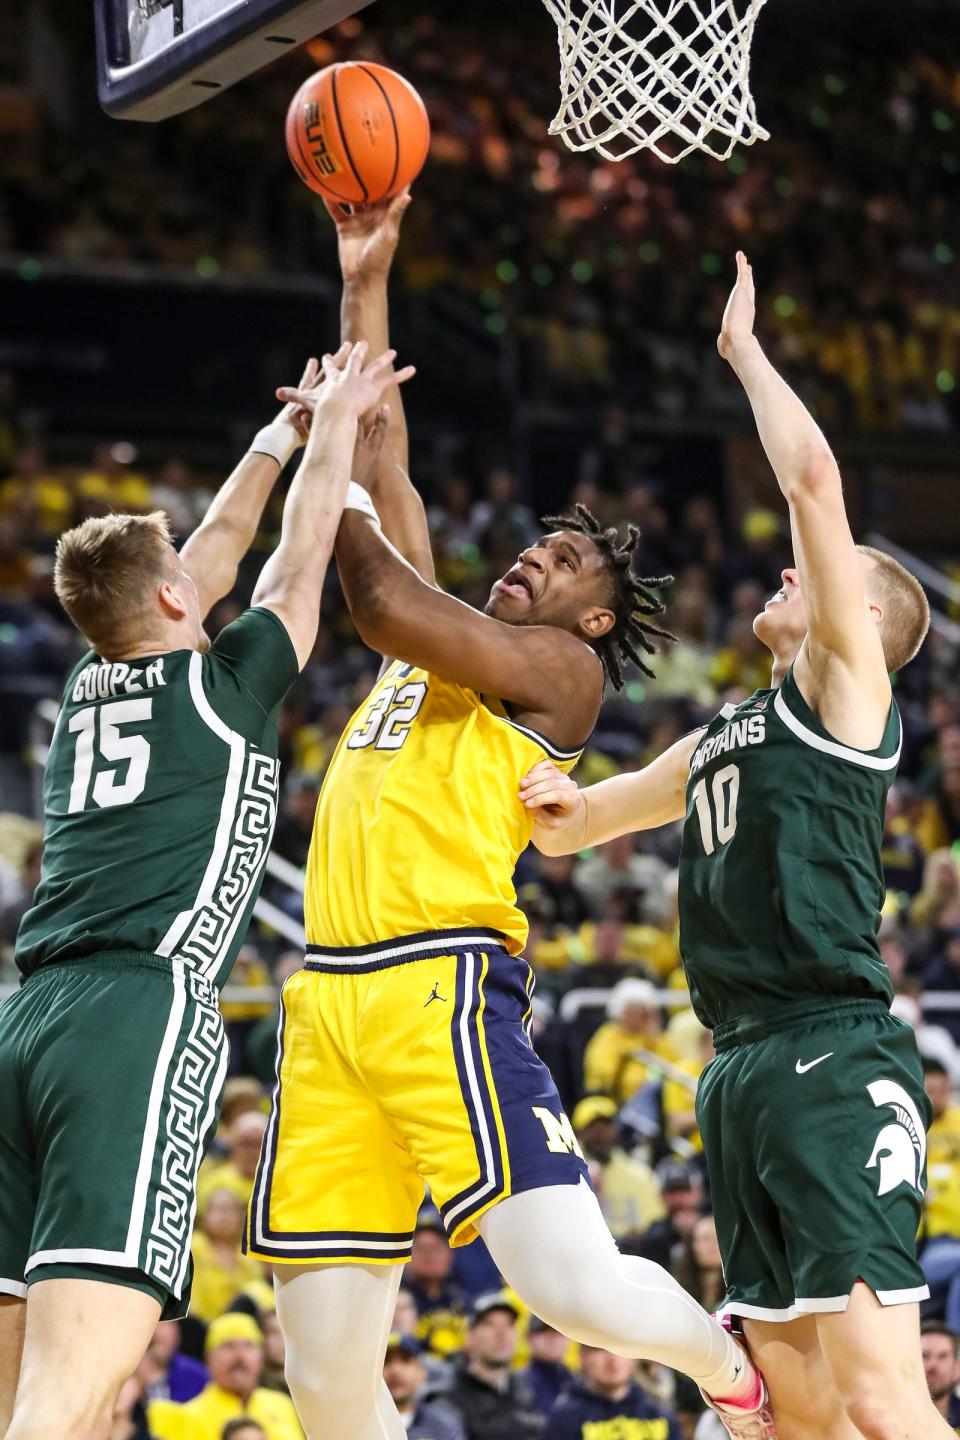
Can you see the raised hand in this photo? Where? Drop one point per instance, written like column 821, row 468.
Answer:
column 366, row 451
column 367, row 236
column 297, row 415
column 349, row 379
column 738, row 318
column 553, row 795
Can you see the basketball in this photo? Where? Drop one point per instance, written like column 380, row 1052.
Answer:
column 357, row 133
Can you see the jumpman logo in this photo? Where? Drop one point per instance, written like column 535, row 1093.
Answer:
column 435, row 995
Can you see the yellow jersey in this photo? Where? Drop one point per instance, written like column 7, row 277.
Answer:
column 419, row 825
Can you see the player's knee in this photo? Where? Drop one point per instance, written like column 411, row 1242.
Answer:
column 880, row 1412
column 334, row 1395
column 71, row 1420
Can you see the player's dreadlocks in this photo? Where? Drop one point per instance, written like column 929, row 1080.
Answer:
column 632, row 594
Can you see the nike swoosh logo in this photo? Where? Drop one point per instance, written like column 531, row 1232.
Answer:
column 802, row 1069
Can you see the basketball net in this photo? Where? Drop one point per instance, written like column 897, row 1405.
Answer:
column 669, row 76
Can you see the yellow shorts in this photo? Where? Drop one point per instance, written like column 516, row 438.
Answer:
column 403, row 1065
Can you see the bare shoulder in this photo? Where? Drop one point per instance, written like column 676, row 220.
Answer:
column 568, row 689
column 851, row 701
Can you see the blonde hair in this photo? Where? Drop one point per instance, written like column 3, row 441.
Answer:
column 906, row 610
column 106, row 571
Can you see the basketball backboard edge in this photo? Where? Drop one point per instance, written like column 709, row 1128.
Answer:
column 197, row 64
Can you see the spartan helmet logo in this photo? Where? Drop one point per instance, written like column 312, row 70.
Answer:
column 901, row 1147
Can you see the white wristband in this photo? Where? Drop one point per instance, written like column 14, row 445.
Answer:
column 358, row 499
column 279, row 440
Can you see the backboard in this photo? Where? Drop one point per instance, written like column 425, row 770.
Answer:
column 158, row 57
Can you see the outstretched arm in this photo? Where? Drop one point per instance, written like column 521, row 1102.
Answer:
column 840, row 626
column 292, row 580
column 568, row 819
column 212, row 554
column 367, row 240
column 553, row 678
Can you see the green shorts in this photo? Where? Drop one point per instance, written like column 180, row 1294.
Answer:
column 111, row 1070
column 813, row 1123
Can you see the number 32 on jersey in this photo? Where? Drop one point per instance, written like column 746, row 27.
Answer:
column 717, row 807
column 389, row 717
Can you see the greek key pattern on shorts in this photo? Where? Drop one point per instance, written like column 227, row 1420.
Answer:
column 210, row 929
column 189, row 1110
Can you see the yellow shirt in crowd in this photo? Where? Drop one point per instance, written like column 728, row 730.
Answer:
column 216, row 1285
column 607, row 1067
column 941, row 1206
column 222, row 1175
column 204, row 1417
column 629, row 1195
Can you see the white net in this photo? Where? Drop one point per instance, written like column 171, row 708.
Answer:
column 664, row 75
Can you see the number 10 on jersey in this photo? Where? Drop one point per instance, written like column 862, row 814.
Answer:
column 718, row 821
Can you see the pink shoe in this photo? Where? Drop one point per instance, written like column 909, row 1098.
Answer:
column 752, row 1420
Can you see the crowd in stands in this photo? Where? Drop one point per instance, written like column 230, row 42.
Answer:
column 465, row 1361
column 604, row 278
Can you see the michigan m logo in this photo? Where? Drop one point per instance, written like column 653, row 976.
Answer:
column 560, row 1137
column 901, row 1147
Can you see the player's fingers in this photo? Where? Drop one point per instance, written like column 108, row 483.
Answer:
column 334, row 364
column 309, row 373
column 381, row 362
column 336, row 211
column 398, row 204
column 547, row 797
column 290, row 395
column 402, row 376
column 356, row 357
column 538, row 771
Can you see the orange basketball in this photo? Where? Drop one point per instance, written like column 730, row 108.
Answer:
column 357, row 132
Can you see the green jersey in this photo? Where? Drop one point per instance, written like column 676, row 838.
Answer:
column 160, row 797
column 781, row 883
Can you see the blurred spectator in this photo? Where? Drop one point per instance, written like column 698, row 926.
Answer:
column 17, row 896
column 129, row 1414
column 681, row 1188
column 238, row 1171
column 243, row 1429
column 604, row 1398
column 241, row 1096
column 494, row 1401
column 295, row 823
column 405, row 1376
column 441, row 1303
column 616, row 866
column 941, row 1369
column 698, row 1267
column 234, row 1355
column 220, row 1269
column 940, row 892
column 903, row 856
column 940, row 1257
column 165, row 1373
column 626, row 1187
column 942, row 973
column 609, row 1064
column 546, row 1373
column 933, row 1041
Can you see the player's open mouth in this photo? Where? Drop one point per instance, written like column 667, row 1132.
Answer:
column 777, row 599
column 518, row 585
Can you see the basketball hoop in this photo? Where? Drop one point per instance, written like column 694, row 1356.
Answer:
column 669, row 76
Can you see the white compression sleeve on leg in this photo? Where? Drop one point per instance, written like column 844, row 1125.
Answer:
column 553, row 1246
column 336, row 1320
